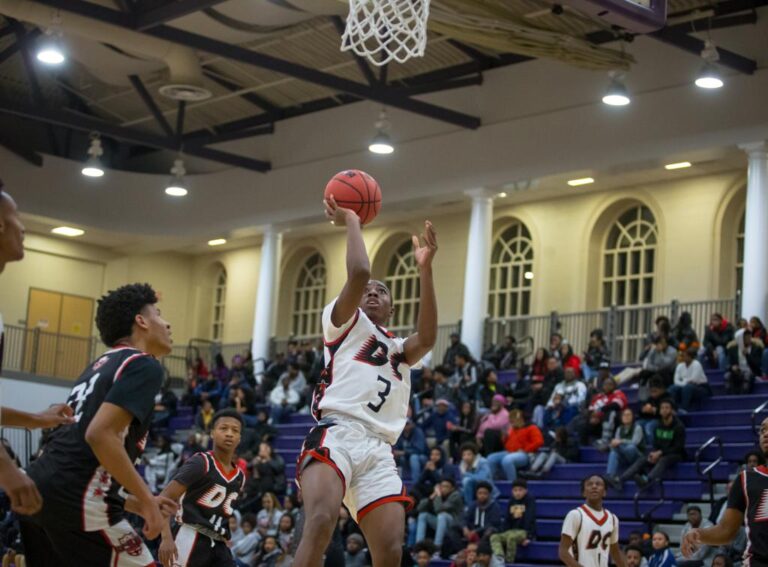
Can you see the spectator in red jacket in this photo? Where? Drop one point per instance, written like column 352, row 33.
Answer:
column 521, row 442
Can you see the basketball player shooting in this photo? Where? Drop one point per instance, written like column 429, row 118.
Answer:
column 361, row 404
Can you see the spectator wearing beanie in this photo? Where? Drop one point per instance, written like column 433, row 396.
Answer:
column 519, row 524
column 354, row 555
column 497, row 419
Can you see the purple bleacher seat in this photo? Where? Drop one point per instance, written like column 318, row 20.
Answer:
column 181, row 422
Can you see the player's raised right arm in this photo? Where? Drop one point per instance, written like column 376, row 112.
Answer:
column 358, row 265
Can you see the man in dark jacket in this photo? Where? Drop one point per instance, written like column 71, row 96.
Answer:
column 411, row 450
column 456, row 347
column 668, row 448
column 441, row 511
column 719, row 333
column 483, row 516
column 745, row 359
column 519, row 525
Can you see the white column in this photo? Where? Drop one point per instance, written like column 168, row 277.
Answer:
column 264, row 316
column 754, row 293
column 477, row 271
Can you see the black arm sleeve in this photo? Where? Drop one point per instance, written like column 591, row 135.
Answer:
column 193, row 470
column 135, row 389
column 736, row 497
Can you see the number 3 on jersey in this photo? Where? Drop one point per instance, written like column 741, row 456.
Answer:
column 382, row 395
column 79, row 394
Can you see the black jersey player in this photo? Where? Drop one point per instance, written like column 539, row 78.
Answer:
column 208, row 484
column 747, row 506
column 85, row 466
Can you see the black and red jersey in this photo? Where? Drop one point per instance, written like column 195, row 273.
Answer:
column 749, row 495
column 77, row 491
column 211, row 491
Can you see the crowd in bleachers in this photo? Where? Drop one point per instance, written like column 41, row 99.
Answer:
column 468, row 432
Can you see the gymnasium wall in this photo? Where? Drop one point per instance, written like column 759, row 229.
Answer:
column 696, row 219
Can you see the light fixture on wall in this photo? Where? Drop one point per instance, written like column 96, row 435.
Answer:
column 528, row 275
column 678, row 165
column 217, row 242
column 617, row 93
column 93, row 166
column 709, row 76
column 581, row 181
column 49, row 50
column 68, row 231
column 177, row 186
column 381, row 142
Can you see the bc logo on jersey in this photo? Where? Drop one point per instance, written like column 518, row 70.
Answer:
column 376, row 353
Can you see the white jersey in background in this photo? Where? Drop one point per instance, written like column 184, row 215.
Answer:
column 366, row 378
column 593, row 533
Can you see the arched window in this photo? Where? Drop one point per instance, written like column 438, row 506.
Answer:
column 629, row 259
column 309, row 298
column 219, row 303
column 511, row 273
column 403, row 282
column 740, row 254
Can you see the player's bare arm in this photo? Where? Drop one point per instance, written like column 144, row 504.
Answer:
column 24, row 496
column 58, row 414
column 721, row 534
column 564, row 551
column 420, row 343
column 168, row 552
column 105, row 437
column 618, row 556
column 358, row 264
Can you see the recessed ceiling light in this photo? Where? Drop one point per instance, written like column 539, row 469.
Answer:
column 501, row 195
column 581, row 181
column 175, row 191
column 528, row 275
column 679, row 165
column 68, row 231
column 217, row 242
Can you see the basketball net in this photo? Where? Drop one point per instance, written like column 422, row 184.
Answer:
column 386, row 30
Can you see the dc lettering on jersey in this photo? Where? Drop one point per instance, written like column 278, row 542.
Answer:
column 217, row 496
column 367, row 377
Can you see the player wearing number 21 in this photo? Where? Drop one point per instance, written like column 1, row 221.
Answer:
column 208, row 484
column 361, row 404
column 87, row 467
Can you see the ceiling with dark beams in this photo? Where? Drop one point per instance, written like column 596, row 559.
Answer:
column 264, row 61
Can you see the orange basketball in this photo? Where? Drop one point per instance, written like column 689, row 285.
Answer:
column 356, row 190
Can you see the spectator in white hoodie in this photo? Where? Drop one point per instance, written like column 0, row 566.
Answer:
column 690, row 381
column 244, row 549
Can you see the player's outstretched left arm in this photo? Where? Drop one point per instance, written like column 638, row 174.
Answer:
column 167, row 553
column 420, row 343
column 57, row 414
column 618, row 556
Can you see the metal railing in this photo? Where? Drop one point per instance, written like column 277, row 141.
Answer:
column 624, row 328
column 647, row 516
column 36, row 351
column 20, row 440
column 707, row 473
column 756, row 412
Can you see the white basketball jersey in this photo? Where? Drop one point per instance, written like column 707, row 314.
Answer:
column 366, row 376
column 593, row 533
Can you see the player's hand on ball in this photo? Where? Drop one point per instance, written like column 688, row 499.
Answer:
column 25, row 499
column 690, row 543
column 57, row 414
column 167, row 506
column 168, row 552
column 424, row 254
column 336, row 214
